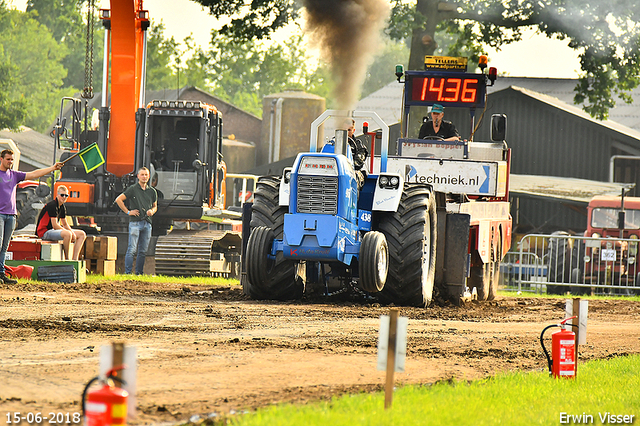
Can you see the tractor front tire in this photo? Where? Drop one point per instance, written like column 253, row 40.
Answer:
column 373, row 261
column 495, row 277
column 280, row 280
column 258, row 251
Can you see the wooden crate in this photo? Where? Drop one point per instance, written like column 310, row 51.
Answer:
column 104, row 248
column 52, row 250
column 102, row 267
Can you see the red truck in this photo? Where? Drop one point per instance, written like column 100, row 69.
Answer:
column 606, row 259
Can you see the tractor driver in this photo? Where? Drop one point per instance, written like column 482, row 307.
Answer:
column 437, row 126
column 359, row 152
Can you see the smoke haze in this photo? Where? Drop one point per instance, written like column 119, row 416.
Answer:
column 347, row 33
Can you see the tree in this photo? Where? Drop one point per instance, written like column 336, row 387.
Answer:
column 12, row 111
column 242, row 73
column 381, row 71
column 606, row 34
column 161, row 53
column 30, row 52
column 67, row 21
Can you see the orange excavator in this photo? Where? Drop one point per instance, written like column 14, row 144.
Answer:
column 180, row 141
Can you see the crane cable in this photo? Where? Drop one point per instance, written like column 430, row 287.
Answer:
column 87, row 92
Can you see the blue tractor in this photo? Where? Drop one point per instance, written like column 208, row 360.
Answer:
column 313, row 226
column 431, row 220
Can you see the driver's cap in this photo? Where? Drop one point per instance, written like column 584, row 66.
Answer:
column 437, row 108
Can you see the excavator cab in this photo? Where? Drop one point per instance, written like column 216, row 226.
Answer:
column 182, row 143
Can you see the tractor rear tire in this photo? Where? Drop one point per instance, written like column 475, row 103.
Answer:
column 559, row 260
column 280, row 282
column 26, row 213
column 411, row 234
column 480, row 279
column 374, row 261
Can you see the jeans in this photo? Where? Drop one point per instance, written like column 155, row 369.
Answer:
column 7, row 225
column 139, row 237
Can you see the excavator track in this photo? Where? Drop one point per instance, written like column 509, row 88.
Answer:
column 205, row 252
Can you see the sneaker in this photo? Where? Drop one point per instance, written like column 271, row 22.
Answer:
column 7, row 280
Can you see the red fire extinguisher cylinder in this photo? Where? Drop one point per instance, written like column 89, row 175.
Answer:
column 105, row 406
column 563, row 351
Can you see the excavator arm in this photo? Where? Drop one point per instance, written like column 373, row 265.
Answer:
column 128, row 23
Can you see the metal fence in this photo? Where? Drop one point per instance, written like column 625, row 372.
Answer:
column 242, row 188
column 560, row 263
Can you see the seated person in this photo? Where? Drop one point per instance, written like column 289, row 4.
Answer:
column 359, row 152
column 154, row 184
column 437, row 126
column 358, row 149
column 52, row 225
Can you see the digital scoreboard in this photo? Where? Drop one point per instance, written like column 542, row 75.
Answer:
column 446, row 88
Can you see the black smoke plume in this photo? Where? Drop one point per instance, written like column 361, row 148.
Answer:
column 347, row 33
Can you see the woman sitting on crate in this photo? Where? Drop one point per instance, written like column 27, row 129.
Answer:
column 52, row 225
column 437, row 127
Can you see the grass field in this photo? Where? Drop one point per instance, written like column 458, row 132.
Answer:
column 603, row 389
column 97, row 279
column 604, row 392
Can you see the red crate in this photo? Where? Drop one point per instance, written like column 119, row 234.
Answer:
column 25, row 249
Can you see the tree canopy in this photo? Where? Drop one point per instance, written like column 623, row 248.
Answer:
column 42, row 53
column 32, row 67
column 242, row 73
column 605, row 34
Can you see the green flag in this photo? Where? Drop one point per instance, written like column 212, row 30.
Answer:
column 91, row 157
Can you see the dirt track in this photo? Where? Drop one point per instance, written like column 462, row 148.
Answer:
column 208, row 349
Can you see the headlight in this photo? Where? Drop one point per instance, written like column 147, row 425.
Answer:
column 388, row 182
column 595, row 235
column 326, row 166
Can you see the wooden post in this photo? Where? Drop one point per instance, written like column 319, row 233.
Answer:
column 576, row 321
column 118, row 360
column 391, row 357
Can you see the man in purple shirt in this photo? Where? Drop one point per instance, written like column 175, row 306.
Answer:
column 9, row 180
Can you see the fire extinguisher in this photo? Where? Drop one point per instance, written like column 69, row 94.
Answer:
column 107, row 405
column 563, row 349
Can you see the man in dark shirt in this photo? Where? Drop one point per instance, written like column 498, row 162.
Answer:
column 143, row 203
column 52, row 225
column 438, row 127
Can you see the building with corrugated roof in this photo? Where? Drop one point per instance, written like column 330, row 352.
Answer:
column 36, row 149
